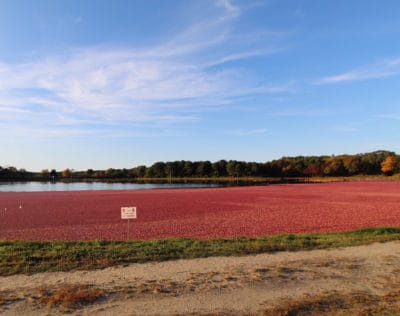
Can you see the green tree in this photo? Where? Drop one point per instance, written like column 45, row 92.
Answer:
column 53, row 174
column 189, row 169
column 139, row 172
column 45, row 174
column 219, row 168
column 254, row 169
column 231, row 168
column 89, row 173
column 204, row 169
column 169, row 169
column 158, row 170
column 110, row 173
column 240, row 168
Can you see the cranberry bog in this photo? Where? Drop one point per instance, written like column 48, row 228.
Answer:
column 200, row 213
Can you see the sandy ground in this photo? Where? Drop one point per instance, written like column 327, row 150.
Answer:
column 225, row 285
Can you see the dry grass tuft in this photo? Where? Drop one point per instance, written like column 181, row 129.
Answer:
column 356, row 303
column 285, row 272
column 352, row 266
column 71, row 296
column 308, row 306
column 7, row 298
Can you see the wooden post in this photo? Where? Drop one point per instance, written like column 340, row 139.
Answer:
column 128, row 229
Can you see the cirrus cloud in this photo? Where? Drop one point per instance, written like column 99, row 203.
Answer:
column 168, row 83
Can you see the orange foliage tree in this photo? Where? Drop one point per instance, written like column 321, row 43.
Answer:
column 389, row 165
column 66, row 173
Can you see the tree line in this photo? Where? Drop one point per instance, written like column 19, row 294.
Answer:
column 374, row 163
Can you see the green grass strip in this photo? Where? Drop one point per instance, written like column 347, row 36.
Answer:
column 30, row 257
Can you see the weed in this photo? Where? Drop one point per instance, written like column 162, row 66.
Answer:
column 334, row 303
column 71, row 296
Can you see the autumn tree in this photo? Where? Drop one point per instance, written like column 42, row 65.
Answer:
column 389, row 165
column 66, row 173
column 313, row 170
column 334, row 167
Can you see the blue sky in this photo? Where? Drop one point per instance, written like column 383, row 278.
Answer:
column 99, row 84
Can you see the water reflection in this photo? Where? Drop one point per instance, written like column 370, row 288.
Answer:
column 89, row 186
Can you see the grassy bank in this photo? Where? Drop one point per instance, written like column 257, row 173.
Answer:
column 250, row 179
column 220, row 180
column 37, row 256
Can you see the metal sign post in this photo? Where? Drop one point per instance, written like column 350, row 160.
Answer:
column 128, row 213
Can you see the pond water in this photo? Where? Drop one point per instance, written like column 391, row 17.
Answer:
column 88, row 186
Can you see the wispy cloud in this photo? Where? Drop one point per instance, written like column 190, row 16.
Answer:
column 168, row 83
column 392, row 116
column 247, row 132
column 67, row 20
column 310, row 112
column 345, row 129
column 387, row 68
column 243, row 55
column 228, row 6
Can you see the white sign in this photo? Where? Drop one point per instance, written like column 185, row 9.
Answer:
column 128, row 212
